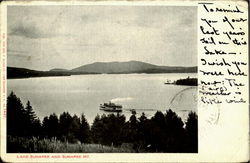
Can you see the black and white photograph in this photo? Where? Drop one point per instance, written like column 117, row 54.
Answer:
column 102, row 79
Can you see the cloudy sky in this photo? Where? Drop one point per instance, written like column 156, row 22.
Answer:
column 49, row 37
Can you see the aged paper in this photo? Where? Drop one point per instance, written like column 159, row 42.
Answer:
column 110, row 81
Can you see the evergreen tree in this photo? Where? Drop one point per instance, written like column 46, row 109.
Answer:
column 45, row 127
column 64, row 126
column 15, row 116
column 30, row 117
column 51, row 126
column 192, row 132
column 107, row 130
column 142, row 118
column 157, row 132
column 74, row 129
column 84, row 136
column 114, row 128
column 97, row 130
column 133, row 128
column 37, row 128
column 143, row 131
column 30, row 113
column 174, row 132
column 159, row 119
column 21, row 121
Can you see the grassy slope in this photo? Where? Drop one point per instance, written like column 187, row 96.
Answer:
column 24, row 145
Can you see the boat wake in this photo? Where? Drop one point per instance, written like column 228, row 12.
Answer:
column 121, row 99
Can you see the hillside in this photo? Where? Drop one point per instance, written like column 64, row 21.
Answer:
column 100, row 68
column 58, row 69
column 131, row 67
column 14, row 72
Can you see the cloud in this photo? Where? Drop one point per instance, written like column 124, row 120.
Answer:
column 76, row 35
column 26, row 22
column 32, row 30
column 27, row 31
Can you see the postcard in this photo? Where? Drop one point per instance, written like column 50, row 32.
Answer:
column 124, row 81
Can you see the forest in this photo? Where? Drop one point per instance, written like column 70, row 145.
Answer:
column 188, row 81
column 164, row 132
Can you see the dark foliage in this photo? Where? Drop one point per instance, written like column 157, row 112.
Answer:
column 21, row 121
column 14, row 72
column 192, row 132
column 66, row 128
column 107, row 130
column 161, row 133
column 188, row 81
column 50, row 126
column 84, row 133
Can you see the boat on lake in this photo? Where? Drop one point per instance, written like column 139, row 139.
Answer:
column 111, row 107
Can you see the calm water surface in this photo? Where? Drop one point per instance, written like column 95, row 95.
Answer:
column 84, row 93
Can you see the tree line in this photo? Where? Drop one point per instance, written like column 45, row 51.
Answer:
column 161, row 133
column 188, row 81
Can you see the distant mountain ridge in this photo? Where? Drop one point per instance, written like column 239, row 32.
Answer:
column 14, row 72
column 101, row 68
column 131, row 67
column 58, row 69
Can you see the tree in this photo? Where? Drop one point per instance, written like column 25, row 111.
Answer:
column 142, row 118
column 15, row 116
column 51, row 126
column 45, row 127
column 116, row 124
column 159, row 119
column 175, row 132
column 74, row 129
column 21, row 121
column 37, row 127
column 158, row 132
column 143, row 131
column 97, row 130
column 29, row 119
column 30, row 113
column 133, row 128
column 84, row 135
column 192, row 132
column 64, row 126
column 107, row 130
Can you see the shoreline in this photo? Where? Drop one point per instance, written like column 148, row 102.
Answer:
column 12, row 78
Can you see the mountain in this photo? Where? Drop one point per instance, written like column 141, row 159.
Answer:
column 100, row 68
column 58, row 69
column 131, row 67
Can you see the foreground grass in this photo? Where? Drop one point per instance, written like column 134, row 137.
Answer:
column 24, row 145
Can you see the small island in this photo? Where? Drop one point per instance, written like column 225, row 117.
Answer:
column 188, row 82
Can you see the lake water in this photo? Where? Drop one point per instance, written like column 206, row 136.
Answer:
column 84, row 93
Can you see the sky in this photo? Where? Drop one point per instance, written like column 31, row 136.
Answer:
column 47, row 37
